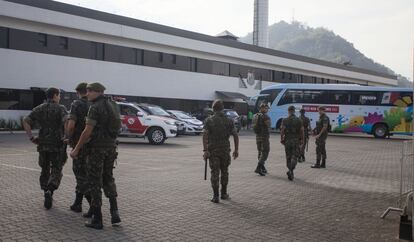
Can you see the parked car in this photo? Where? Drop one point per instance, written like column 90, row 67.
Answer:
column 159, row 111
column 234, row 116
column 191, row 124
column 137, row 122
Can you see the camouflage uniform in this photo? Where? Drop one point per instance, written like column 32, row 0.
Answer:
column 102, row 149
column 52, row 152
column 262, row 138
column 292, row 129
column 78, row 112
column 219, row 128
column 306, row 127
column 321, row 141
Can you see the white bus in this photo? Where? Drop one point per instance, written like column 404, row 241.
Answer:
column 380, row 111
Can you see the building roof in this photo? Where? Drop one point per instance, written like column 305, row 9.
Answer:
column 227, row 33
column 117, row 19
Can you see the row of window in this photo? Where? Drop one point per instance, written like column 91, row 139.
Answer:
column 60, row 45
column 369, row 98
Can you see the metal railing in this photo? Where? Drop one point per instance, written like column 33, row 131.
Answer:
column 406, row 178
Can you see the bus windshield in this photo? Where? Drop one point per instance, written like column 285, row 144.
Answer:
column 266, row 96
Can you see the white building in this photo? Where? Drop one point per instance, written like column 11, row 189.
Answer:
column 45, row 43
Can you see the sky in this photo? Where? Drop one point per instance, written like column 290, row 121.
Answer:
column 382, row 30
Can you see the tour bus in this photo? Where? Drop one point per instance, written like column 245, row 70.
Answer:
column 381, row 111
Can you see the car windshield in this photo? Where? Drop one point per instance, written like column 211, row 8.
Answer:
column 182, row 115
column 154, row 110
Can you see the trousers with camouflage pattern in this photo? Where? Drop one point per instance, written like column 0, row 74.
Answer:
column 100, row 165
column 219, row 162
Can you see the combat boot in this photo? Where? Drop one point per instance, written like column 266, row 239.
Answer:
column 215, row 198
column 90, row 212
column 317, row 165
column 264, row 169
column 77, row 205
column 96, row 222
column 259, row 170
column 290, row 175
column 224, row 194
column 48, row 199
column 115, row 219
column 323, row 165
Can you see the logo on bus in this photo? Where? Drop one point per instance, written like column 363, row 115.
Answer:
column 314, row 108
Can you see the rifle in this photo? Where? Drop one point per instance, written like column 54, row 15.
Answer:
column 307, row 144
column 205, row 169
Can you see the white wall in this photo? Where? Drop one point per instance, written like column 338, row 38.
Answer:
column 22, row 70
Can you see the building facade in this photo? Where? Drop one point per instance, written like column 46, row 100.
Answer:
column 45, row 43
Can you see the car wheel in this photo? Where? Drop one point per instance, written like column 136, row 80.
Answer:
column 156, row 136
column 380, row 131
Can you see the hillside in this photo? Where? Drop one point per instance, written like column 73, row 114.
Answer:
column 322, row 44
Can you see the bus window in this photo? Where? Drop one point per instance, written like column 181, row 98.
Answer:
column 291, row 96
column 401, row 99
column 365, row 98
column 313, row 96
column 270, row 97
column 340, row 97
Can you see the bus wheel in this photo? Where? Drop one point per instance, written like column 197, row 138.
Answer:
column 380, row 131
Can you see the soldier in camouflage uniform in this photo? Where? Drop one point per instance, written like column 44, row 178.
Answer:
column 102, row 127
column 261, row 125
column 321, row 134
column 292, row 138
column 74, row 128
column 306, row 130
column 216, row 144
column 50, row 116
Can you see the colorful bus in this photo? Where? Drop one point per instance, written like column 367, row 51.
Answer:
column 380, row 111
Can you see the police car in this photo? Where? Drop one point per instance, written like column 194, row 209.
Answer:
column 138, row 123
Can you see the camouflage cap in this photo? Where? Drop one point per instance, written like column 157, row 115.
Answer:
column 291, row 108
column 81, row 86
column 96, row 86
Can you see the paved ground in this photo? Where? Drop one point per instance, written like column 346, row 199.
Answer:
column 163, row 195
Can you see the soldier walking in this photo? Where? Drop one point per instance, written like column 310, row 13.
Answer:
column 292, row 138
column 306, row 130
column 101, row 129
column 321, row 134
column 261, row 125
column 50, row 116
column 75, row 126
column 216, row 147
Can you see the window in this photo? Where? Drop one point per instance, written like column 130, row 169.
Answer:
column 213, row 67
column 16, row 99
column 63, row 43
column 290, row 76
column 239, row 70
column 365, row 98
column 4, row 37
column 42, row 39
column 27, row 41
column 174, row 59
column 128, row 110
column 401, row 99
column 340, row 97
column 120, row 54
column 97, row 51
column 160, row 57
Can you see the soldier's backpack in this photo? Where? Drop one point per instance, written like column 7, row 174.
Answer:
column 115, row 124
column 257, row 123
